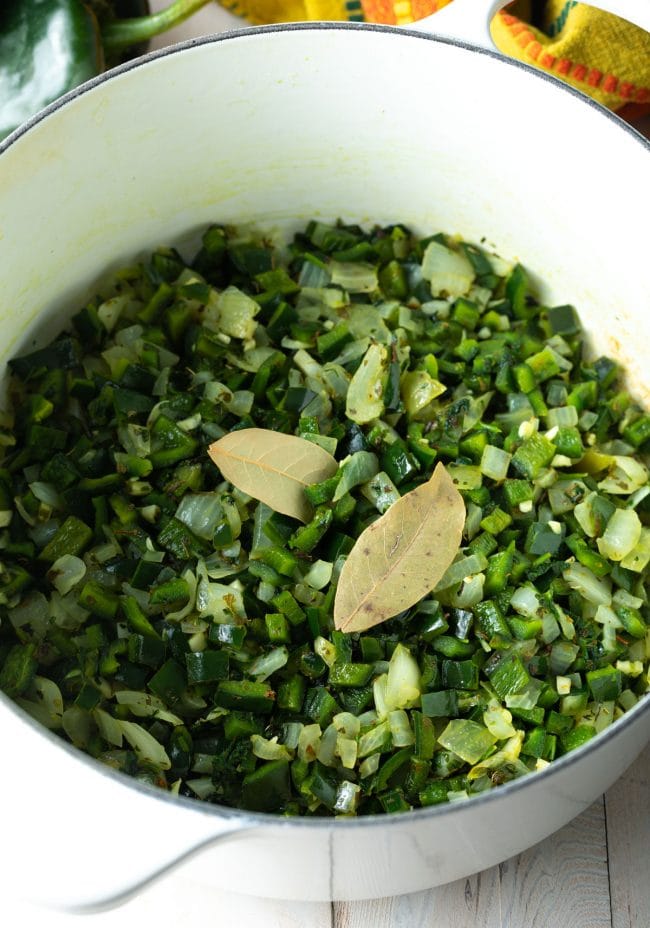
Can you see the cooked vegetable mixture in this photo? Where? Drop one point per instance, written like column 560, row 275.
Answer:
column 179, row 626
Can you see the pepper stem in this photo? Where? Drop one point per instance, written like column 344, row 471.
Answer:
column 121, row 33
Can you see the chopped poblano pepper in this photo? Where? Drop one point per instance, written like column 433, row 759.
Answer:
column 145, row 597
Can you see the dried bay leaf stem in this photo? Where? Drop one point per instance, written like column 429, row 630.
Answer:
column 273, row 467
column 399, row 558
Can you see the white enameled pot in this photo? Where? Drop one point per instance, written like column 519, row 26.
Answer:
column 275, row 126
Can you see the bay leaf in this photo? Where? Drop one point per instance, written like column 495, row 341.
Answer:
column 273, row 467
column 400, row 558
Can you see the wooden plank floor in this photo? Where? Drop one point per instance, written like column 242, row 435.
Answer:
column 594, row 873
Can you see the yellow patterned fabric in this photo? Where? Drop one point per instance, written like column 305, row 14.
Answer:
column 600, row 54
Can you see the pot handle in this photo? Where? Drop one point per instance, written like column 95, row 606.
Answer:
column 469, row 20
column 101, row 898
column 79, row 836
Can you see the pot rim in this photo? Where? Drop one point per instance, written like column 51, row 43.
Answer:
column 246, row 817
column 251, row 819
column 316, row 26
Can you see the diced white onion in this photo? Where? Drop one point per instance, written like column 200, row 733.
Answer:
column 498, row 721
column 269, row 749
column 621, row 535
column 448, row 271
column 638, row 559
column 32, row 610
column 403, row 680
column 525, row 600
column 145, row 705
column 326, row 650
column 309, row 742
column 267, row 664
column 355, row 277
column 369, row 766
column 469, row 593
column 347, row 797
column 44, row 702
column 327, row 747
column 236, row 313
column 628, row 475
column 347, row 724
column 66, row 572
column 375, row 740
column 593, row 589
column 460, row 569
column 400, row 728
column 495, row 462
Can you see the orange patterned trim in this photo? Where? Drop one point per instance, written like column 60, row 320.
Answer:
column 422, row 8
column 525, row 38
column 534, row 49
column 594, row 77
column 518, row 27
column 578, row 72
column 610, row 83
column 379, row 11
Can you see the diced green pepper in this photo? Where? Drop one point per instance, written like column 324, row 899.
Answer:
column 605, row 683
column 206, row 666
column 441, row 704
column 268, row 788
column 245, row 695
column 18, row 669
column 73, row 537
